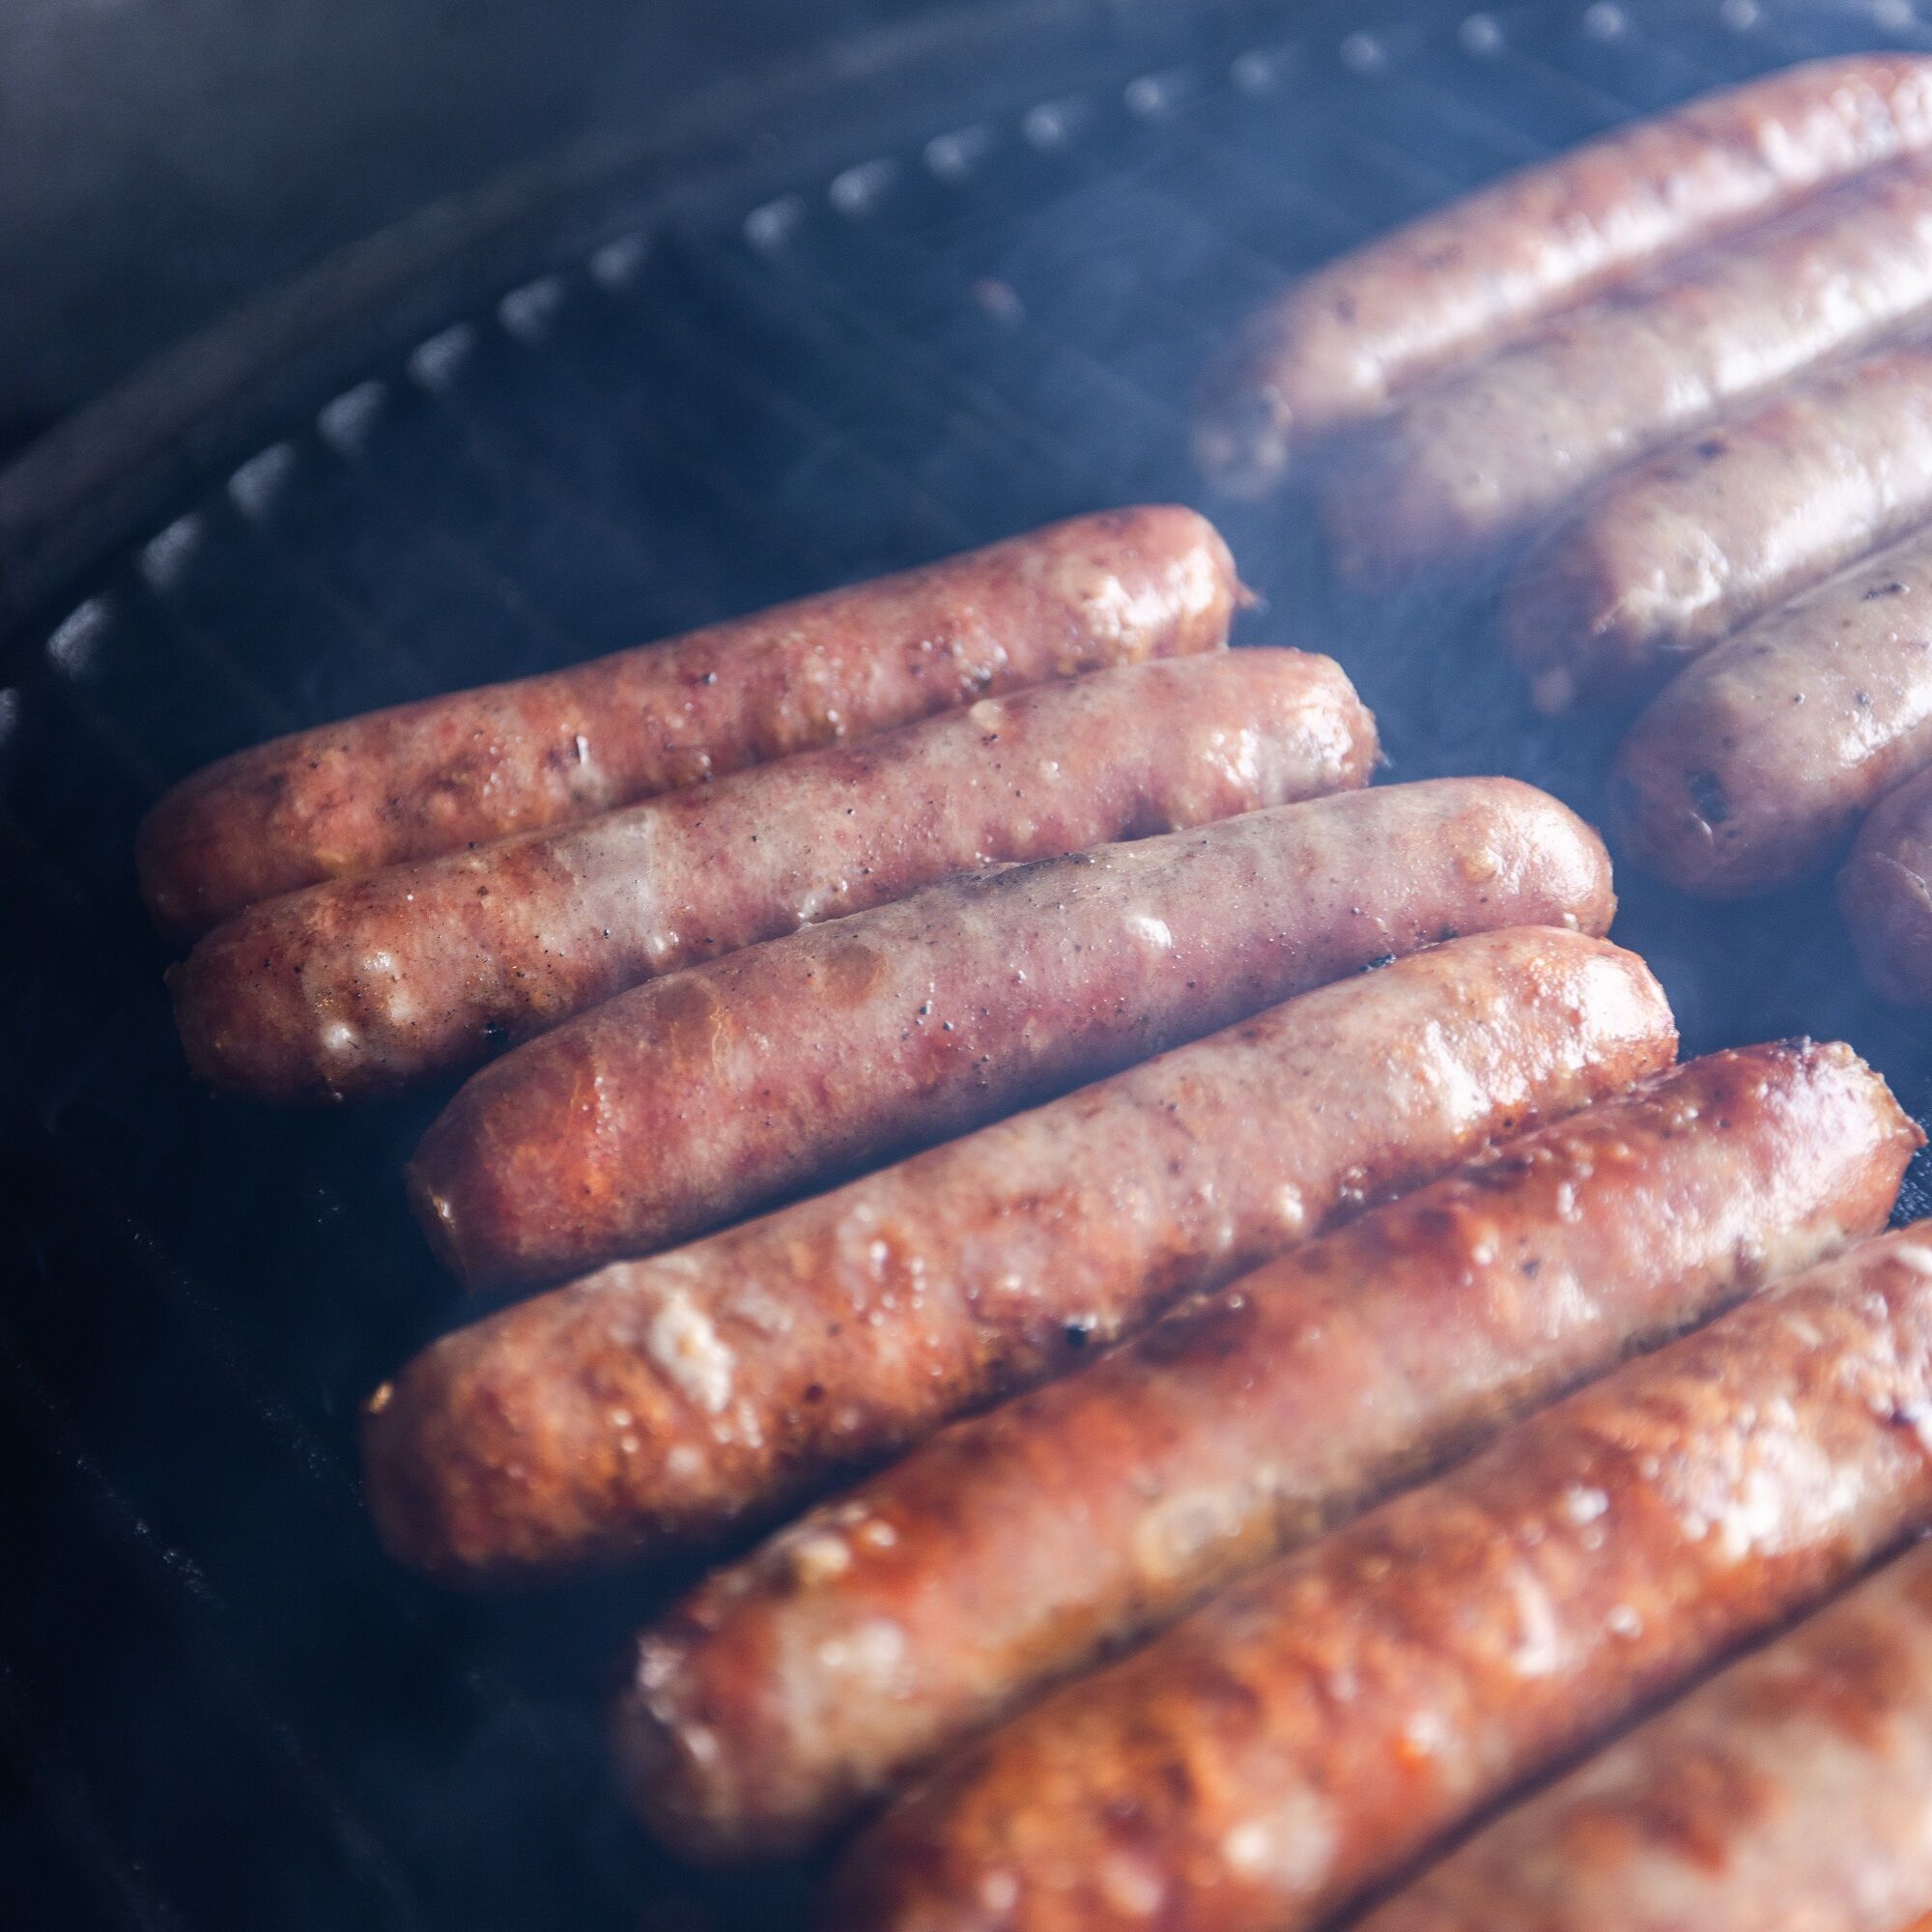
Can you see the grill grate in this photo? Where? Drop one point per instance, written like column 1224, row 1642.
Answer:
column 220, row 1705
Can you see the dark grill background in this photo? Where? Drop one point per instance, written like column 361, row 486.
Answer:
column 875, row 344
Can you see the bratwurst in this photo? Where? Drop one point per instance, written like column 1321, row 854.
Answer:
column 1664, row 560
column 1756, row 762
column 694, row 1098
column 363, row 984
column 1884, row 891
column 1792, row 1791
column 449, row 773
column 1311, row 1731
column 1020, row 1547
column 1451, row 287
column 653, row 1404
column 1467, row 469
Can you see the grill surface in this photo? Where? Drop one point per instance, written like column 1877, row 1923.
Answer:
column 220, row 1707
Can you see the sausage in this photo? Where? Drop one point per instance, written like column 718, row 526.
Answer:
column 1885, row 896
column 461, row 770
column 1668, row 558
column 655, row 1404
column 1450, row 288
column 1468, row 469
column 1018, row 1547
column 690, row 1100
column 1793, row 1790
column 1312, row 1730
column 364, row 984
column 1756, row 762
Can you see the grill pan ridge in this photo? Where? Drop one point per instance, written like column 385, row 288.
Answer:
column 923, row 295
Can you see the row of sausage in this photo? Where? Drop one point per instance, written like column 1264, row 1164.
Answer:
column 1645, row 373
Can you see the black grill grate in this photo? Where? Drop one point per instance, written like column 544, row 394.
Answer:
column 222, row 1707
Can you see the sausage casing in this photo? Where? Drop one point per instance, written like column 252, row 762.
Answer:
column 1450, row 287
column 1753, row 765
column 1664, row 560
column 1884, row 891
column 461, row 770
column 1469, row 469
column 363, row 984
column 1017, row 1546
column 689, row 1100
column 1792, row 1790
column 1312, row 1730
column 655, row 1401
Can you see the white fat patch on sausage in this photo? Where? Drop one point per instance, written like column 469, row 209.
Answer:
column 817, row 1557
column 828, row 900
column 1537, row 1647
column 1914, row 1257
column 685, row 1345
column 988, row 714
column 873, row 1653
column 1150, row 931
column 999, row 1892
column 1171, row 1538
column 339, row 1040
column 1288, row 1848
column 1583, row 1505
column 1131, row 1884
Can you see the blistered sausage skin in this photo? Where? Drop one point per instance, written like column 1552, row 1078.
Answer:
column 1318, row 1727
column 365, row 985
column 1755, row 763
column 1445, row 290
column 461, row 770
column 1793, row 1790
column 1469, row 470
column 656, row 1403
column 1021, row 1546
column 1884, row 891
column 691, row 1100
column 1662, row 562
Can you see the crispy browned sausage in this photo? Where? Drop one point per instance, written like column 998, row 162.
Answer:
column 1792, row 1791
column 1020, row 1546
column 686, row 1102
column 1757, row 761
column 1311, row 1731
column 1663, row 561
column 1451, row 287
column 653, row 1403
column 364, row 984
column 1467, row 469
column 1885, row 890
column 478, row 765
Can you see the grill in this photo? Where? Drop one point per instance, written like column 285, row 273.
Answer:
column 946, row 286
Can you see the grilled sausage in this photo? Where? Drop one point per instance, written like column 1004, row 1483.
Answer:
column 1312, row 1730
column 367, row 983
column 1792, row 1791
column 657, row 1401
column 1019, row 1546
column 1884, row 891
column 1448, row 289
column 1663, row 561
column 1755, row 763
column 1471, row 467
column 684, row 1103
column 461, row 770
